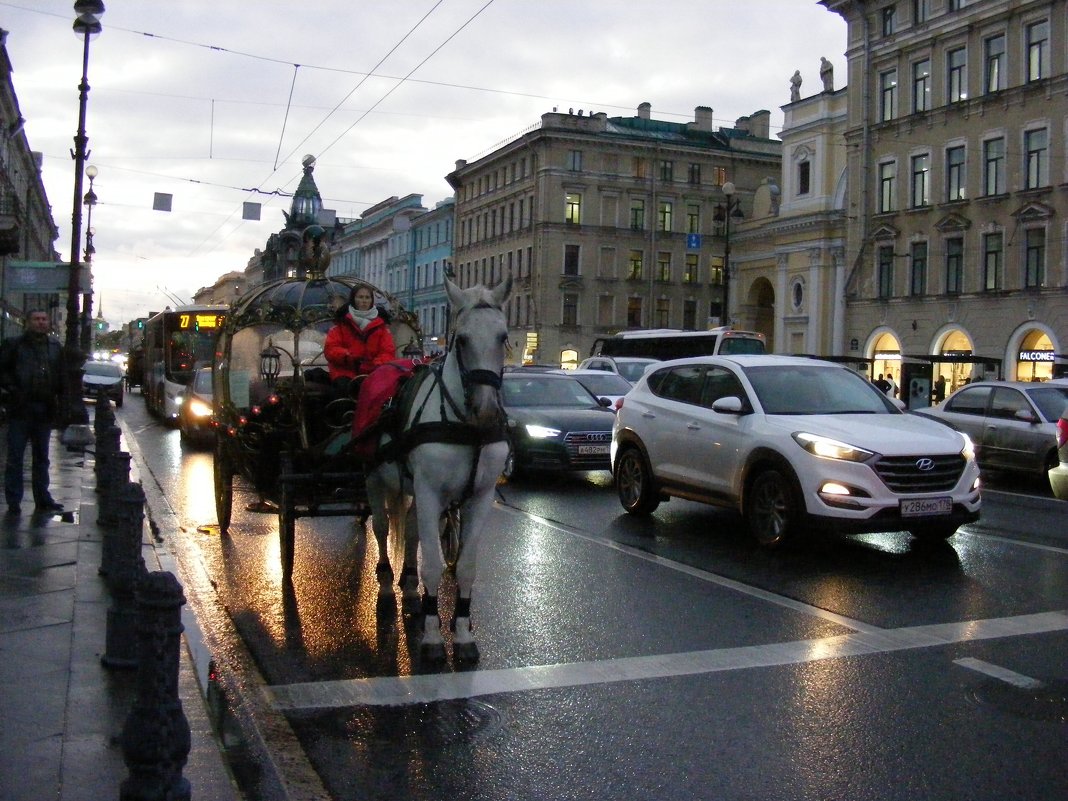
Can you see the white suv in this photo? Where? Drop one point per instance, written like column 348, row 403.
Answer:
column 630, row 367
column 790, row 442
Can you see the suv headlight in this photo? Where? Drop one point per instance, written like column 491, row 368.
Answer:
column 968, row 451
column 831, row 448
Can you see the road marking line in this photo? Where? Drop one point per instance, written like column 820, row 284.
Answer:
column 704, row 575
column 978, row 532
column 398, row 690
column 998, row 672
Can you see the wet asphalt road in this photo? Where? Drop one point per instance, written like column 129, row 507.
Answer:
column 666, row 658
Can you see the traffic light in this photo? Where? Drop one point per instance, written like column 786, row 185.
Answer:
column 140, row 325
column 100, row 324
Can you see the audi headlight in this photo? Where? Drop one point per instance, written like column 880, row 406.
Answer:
column 541, row 432
column 831, row 448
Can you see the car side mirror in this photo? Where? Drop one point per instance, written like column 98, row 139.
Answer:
column 732, row 404
column 604, row 402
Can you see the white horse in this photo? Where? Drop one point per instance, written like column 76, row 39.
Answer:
column 452, row 450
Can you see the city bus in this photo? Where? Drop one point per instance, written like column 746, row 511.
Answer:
column 177, row 341
column 670, row 343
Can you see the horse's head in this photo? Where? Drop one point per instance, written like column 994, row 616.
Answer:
column 480, row 336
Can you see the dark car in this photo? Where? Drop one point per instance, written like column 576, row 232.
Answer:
column 554, row 424
column 103, row 378
column 195, row 412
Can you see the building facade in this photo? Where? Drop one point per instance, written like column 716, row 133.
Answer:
column 27, row 232
column 607, row 224
column 431, row 257
column 956, row 137
column 789, row 256
column 376, row 247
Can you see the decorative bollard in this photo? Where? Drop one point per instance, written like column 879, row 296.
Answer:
column 107, row 443
column 124, row 572
column 155, row 738
column 104, row 416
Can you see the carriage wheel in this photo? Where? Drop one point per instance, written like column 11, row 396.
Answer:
column 450, row 537
column 286, row 518
column 224, row 486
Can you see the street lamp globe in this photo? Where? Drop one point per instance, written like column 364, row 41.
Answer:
column 728, row 189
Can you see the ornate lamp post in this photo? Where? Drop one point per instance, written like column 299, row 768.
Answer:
column 87, row 296
column 79, row 433
column 724, row 212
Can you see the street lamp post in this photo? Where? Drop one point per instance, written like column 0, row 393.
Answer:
column 87, row 295
column 724, row 212
column 86, row 25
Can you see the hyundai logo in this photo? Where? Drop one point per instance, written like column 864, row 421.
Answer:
column 925, row 464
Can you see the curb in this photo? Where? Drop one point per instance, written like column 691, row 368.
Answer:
column 232, row 689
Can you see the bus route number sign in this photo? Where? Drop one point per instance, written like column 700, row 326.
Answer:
column 198, row 322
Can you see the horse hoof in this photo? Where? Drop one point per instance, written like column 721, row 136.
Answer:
column 386, row 608
column 412, row 604
column 432, row 653
column 465, row 652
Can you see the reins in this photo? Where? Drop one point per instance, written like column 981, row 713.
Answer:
column 453, row 431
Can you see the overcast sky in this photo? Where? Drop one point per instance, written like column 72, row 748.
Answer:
column 202, row 100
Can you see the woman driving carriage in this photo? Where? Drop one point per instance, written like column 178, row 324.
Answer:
column 359, row 342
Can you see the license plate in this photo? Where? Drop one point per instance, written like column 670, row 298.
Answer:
column 921, row 507
column 591, row 450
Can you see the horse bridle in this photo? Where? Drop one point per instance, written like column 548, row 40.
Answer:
column 471, row 378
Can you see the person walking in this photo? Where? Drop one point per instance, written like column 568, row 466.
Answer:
column 32, row 372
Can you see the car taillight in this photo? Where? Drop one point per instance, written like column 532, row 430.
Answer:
column 1062, row 432
column 619, row 404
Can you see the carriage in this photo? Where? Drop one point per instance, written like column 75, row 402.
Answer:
column 281, row 426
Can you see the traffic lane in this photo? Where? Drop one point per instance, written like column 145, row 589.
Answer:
column 543, row 596
column 899, row 725
column 887, row 580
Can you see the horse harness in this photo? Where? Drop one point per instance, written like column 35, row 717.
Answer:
column 444, row 430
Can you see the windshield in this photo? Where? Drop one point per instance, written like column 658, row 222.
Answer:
column 604, row 384
column 632, row 371
column 803, row 389
column 560, row 393
column 730, row 345
column 202, row 382
column 109, row 369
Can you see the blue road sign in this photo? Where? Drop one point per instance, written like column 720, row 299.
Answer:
column 693, row 241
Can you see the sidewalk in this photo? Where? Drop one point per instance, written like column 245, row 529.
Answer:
column 61, row 710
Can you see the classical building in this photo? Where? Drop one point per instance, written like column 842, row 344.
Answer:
column 431, row 259
column 27, row 232
column 376, row 247
column 956, row 202
column 226, row 289
column 611, row 223
column 789, row 255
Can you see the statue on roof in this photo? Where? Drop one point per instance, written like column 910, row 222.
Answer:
column 827, row 74
column 795, row 86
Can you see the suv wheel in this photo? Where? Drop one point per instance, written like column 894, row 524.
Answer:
column 634, row 483
column 771, row 508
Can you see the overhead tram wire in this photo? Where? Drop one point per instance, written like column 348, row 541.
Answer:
column 399, row 83
column 338, row 105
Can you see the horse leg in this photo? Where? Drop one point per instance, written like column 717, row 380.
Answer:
column 384, row 501
column 473, row 519
column 409, row 577
column 427, row 512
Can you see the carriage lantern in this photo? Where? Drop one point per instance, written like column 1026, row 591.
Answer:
column 270, row 364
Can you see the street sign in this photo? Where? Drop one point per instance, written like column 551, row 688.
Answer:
column 693, row 241
column 44, row 276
